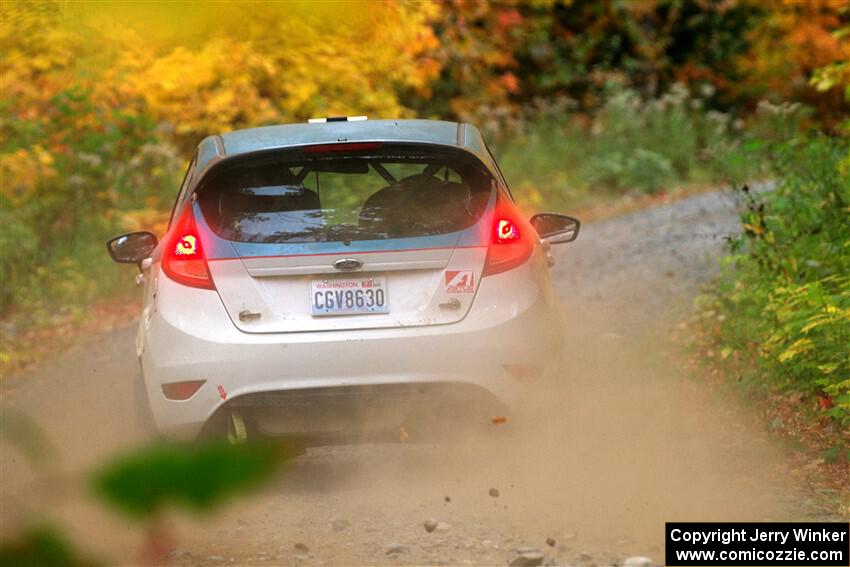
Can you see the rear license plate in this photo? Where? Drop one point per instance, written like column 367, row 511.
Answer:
column 349, row 296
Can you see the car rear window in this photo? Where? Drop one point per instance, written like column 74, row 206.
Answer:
column 316, row 196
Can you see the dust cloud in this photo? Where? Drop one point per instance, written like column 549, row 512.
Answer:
column 595, row 463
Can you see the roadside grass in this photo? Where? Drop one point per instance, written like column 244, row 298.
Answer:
column 784, row 300
column 775, row 326
column 633, row 147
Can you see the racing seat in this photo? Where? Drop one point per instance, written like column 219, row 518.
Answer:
column 415, row 206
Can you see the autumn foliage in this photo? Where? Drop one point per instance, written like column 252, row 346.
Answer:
column 102, row 102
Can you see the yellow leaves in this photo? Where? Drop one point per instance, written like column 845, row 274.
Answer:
column 38, row 54
column 830, row 314
column 278, row 65
column 839, row 387
column 832, row 310
column 226, row 67
column 42, row 156
column 799, row 346
column 22, row 170
column 808, row 325
column 152, row 220
column 40, row 62
column 201, row 92
column 799, row 41
column 828, row 369
column 757, row 228
column 814, row 323
column 530, row 194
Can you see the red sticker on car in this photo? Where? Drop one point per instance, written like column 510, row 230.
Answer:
column 460, row 281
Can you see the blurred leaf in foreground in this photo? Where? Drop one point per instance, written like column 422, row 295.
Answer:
column 41, row 547
column 195, row 476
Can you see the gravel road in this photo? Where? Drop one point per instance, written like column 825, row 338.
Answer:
column 588, row 476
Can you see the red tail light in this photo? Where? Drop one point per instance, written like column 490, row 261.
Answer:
column 506, row 231
column 512, row 241
column 183, row 258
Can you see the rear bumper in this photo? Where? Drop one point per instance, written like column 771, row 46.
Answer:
column 199, row 342
column 363, row 411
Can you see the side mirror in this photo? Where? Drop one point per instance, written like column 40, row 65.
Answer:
column 132, row 248
column 555, row 228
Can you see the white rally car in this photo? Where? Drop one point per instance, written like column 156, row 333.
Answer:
column 343, row 276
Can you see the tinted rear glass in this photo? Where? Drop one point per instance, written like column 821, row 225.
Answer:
column 383, row 192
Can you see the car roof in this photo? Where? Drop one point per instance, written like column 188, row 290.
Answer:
column 238, row 142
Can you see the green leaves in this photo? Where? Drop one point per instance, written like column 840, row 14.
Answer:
column 194, row 476
column 143, row 484
column 630, row 144
column 41, row 546
column 791, row 278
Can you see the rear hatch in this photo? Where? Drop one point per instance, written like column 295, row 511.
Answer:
column 347, row 236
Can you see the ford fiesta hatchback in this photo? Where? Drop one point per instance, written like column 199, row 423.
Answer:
column 343, row 276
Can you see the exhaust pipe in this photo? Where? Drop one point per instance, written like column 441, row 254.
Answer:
column 237, row 430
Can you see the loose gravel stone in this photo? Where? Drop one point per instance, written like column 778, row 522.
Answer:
column 216, row 558
column 550, row 541
column 494, row 492
column 530, row 558
column 442, row 527
column 340, row 525
column 301, row 547
column 638, row 561
column 395, row 548
column 431, row 525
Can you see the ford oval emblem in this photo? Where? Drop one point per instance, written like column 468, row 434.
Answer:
column 348, row 265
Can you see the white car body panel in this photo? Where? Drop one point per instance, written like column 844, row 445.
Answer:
column 191, row 337
column 254, row 338
column 278, row 289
